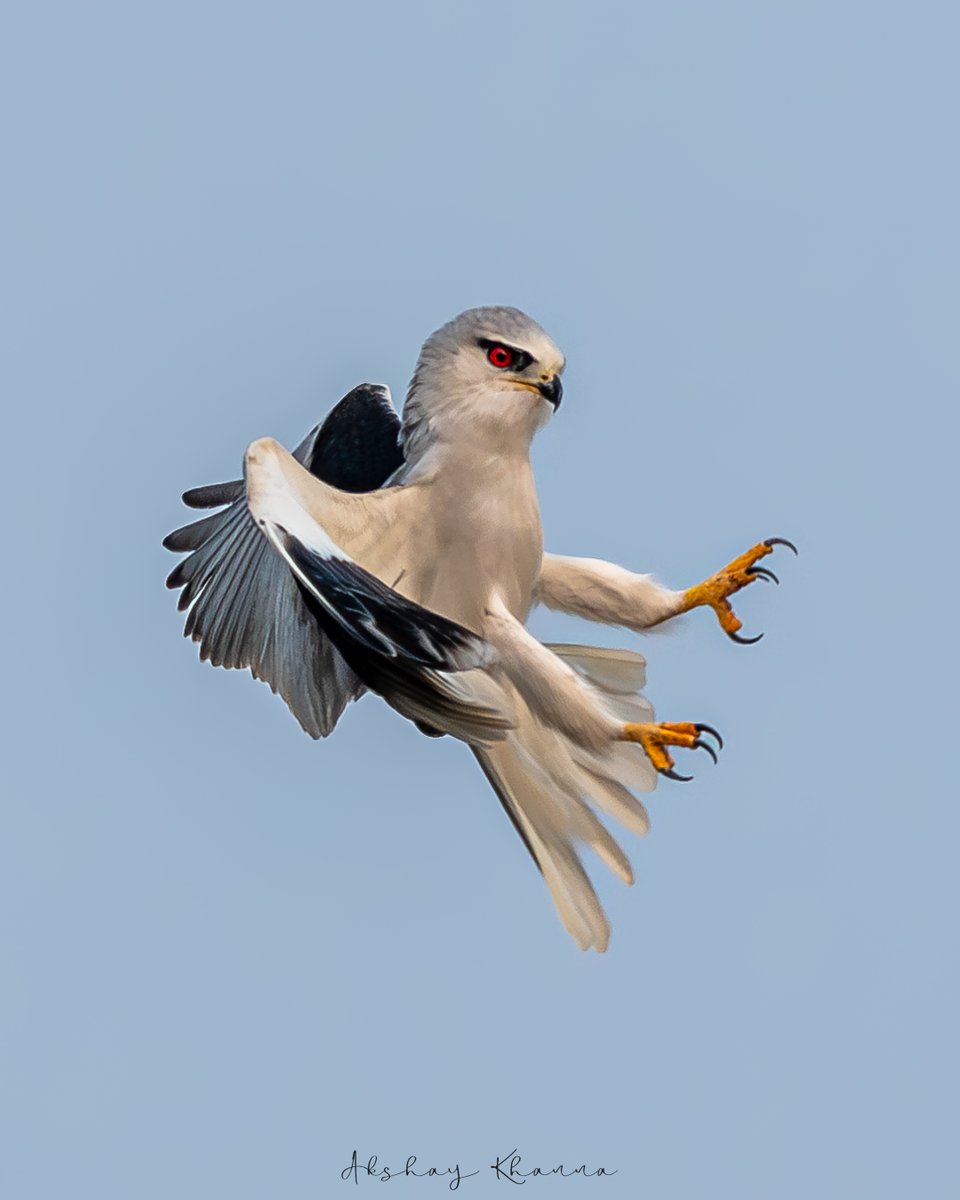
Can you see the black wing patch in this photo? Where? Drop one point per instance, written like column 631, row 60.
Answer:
column 395, row 647
column 357, row 448
column 378, row 619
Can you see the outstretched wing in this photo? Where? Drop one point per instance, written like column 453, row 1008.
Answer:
column 426, row 666
column 245, row 607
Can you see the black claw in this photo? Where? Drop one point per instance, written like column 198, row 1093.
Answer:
column 702, row 728
column 706, row 746
column 763, row 573
column 781, row 542
column 670, row 773
column 735, row 637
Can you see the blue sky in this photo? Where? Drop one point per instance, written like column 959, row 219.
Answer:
column 232, row 956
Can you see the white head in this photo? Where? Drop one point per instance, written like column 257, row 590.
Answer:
column 490, row 374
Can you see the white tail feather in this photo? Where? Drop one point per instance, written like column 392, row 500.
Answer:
column 548, row 783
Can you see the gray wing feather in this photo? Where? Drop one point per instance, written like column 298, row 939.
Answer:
column 212, row 495
column 245, row 608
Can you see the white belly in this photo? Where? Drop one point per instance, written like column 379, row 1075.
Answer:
column 475, row 537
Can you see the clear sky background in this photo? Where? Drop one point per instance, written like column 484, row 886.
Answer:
column 230, row 955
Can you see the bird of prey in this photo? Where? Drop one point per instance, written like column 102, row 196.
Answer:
column 404, row 556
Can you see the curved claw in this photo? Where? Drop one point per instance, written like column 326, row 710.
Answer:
column 735, row 637
column 771, row 542
column 701, row 727
column 763, row 573
column 701, row 745
column 670, row 773
column 744, row 641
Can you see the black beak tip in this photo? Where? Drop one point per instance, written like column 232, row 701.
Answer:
column 552, row 391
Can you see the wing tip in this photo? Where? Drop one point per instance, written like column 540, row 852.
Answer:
column 213, row 495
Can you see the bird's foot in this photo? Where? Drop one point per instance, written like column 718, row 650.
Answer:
column 655, row 738
column 716, row 591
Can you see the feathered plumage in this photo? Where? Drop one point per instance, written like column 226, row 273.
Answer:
column 405, row 558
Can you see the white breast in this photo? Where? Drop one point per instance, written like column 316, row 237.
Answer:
column 477, row 534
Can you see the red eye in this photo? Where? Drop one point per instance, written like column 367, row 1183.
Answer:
column 500, row 356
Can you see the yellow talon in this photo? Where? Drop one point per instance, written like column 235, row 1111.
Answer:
column 715, row 591
column 655, row 738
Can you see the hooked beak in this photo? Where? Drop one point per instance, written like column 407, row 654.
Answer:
column 552, row 391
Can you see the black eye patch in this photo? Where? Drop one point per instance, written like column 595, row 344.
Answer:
column 505, row 357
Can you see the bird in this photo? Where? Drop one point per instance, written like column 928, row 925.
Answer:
column 403, row 555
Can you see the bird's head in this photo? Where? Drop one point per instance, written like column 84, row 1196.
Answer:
column 491, row 373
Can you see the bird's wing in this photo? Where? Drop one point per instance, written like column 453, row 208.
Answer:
column 245, row 609
column 427, row 667
column 357, row 447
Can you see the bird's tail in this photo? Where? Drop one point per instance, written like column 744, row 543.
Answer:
column 549, row 787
